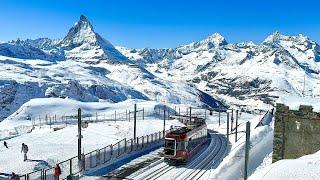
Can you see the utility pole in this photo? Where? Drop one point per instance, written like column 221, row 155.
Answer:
column 135, row 122
column 246, row 160
column 164, row 120
column 190, row 116
column 219, row 118
column 304, row 82
column 79, row 134
column 236, row 125
column 231, row 120
column 228, row 126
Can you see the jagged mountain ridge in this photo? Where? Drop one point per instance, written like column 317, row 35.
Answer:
column 81, row 43
column 111, row 76
column 241, row 73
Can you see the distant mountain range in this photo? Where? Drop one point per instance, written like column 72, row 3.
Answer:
column 211, row 72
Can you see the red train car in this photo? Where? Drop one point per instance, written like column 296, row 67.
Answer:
column 181, row 144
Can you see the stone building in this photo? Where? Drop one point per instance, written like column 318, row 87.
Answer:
column 296, row 132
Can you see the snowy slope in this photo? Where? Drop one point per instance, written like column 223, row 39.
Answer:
column 306, row 167
column 242, row 74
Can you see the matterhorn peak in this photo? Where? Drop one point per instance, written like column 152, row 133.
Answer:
column 80, row 33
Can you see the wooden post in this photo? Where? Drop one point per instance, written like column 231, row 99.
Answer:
column 126, row 114
column 96, row 116
column 205, row 114
column 129, row 115
column 246, row 160
column 79, row 134
column 219, row 117
column 142, row 113
column 228, row 126
column 190, row 115
column 164, row 119
column 231, row 120
column 115, row 116
column 236, row 138
column 135, row 122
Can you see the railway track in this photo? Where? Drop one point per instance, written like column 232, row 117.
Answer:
column 195, row 169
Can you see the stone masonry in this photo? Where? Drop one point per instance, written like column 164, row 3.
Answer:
column 296, row 132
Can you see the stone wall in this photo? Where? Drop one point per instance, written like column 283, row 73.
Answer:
column 296, row 132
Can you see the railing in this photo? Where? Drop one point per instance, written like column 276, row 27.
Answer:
column 97, row 157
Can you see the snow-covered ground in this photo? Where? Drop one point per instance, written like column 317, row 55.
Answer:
column 47, row 147
column 305, row 167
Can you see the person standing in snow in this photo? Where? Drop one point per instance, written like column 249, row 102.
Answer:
column 57, row 172
column 25, row 150
column 14, row 176
column 5, row 144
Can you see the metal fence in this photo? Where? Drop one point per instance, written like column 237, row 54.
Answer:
column 97, row 157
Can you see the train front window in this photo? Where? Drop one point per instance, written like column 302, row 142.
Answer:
column 181, row 145
column 169, row 144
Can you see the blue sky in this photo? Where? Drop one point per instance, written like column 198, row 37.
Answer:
column 162, row 23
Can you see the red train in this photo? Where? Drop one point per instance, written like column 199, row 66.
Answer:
column 181, row 144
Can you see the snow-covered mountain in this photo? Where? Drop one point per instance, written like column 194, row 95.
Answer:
column 87, row 69
column 242, row 74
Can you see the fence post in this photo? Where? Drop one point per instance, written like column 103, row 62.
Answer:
column 50, row 122
column 135, row 122
column 219, row 117
column 205, row 114
column 125, row 144
column 119, row 148
column 126, row 115
column 236, row 125
column 246, row 160
column 131, row 144
column 142, row 113
column 111, row 151
column 228, row 126
column 79, row 135
column 115, row 116
column 70, row 166
column 142, row 143
column 96, row 116
column 179, row 115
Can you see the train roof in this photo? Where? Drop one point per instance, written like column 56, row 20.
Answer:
column 184, row 130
